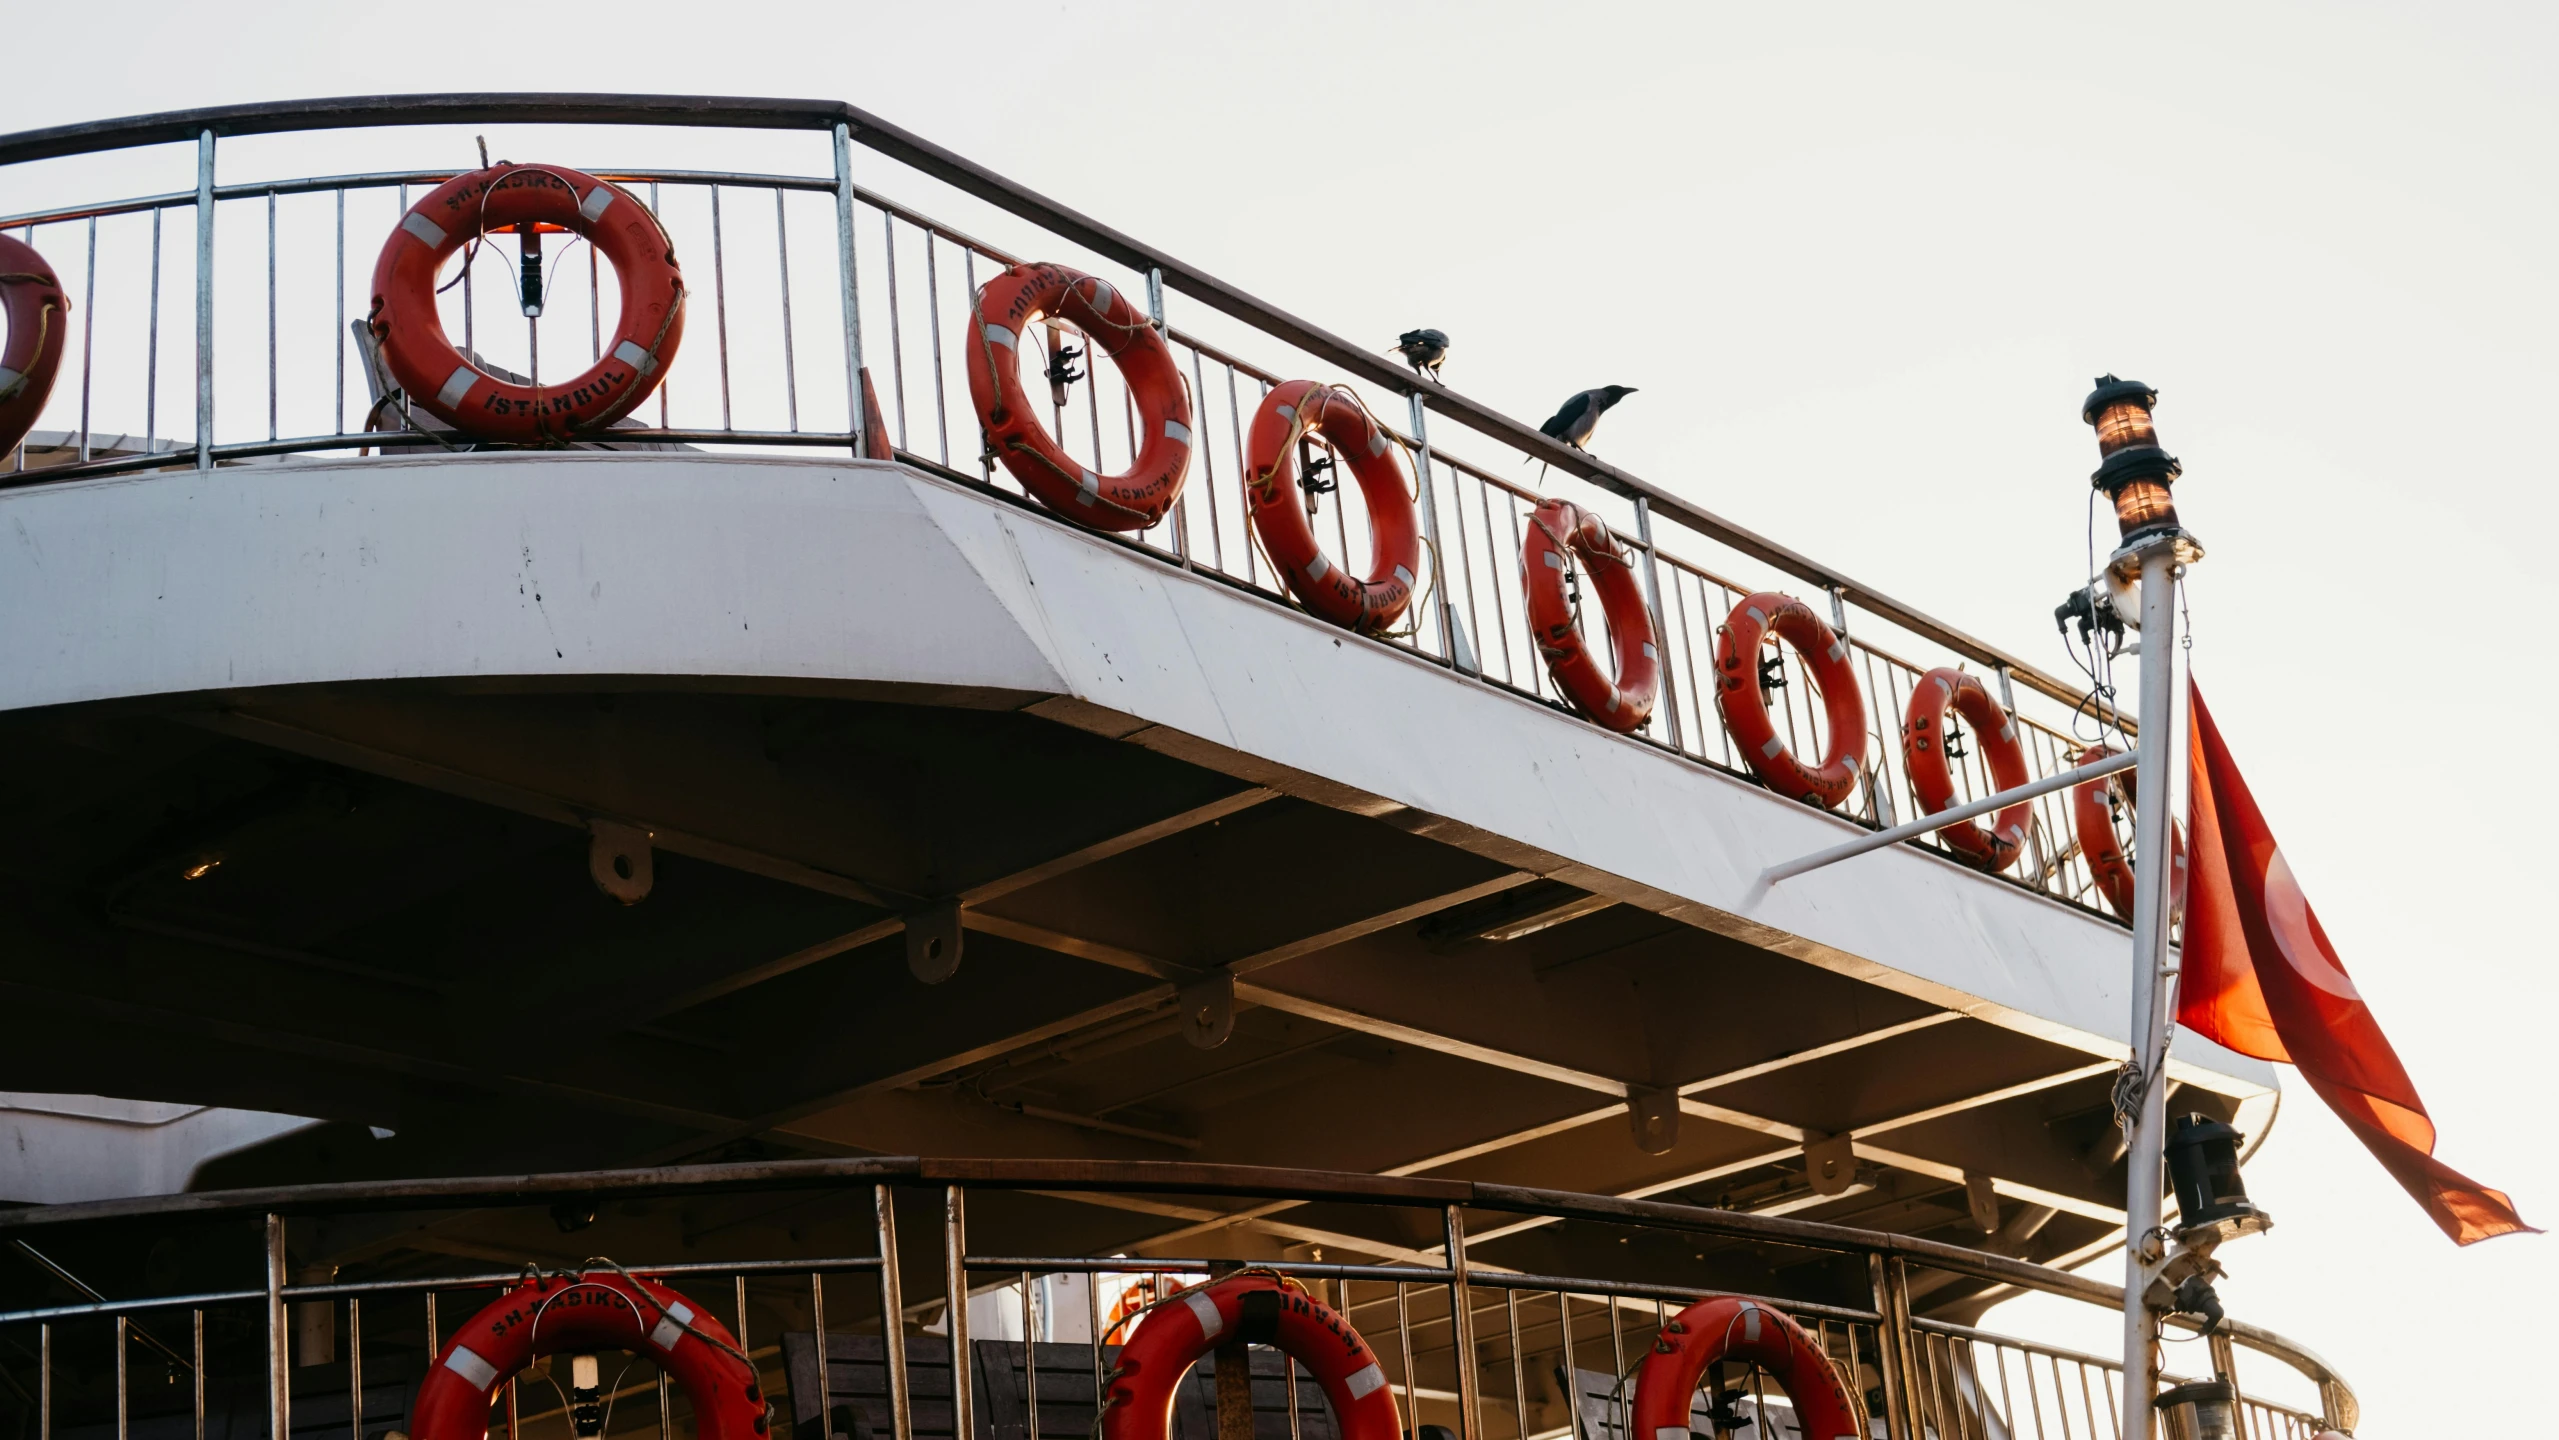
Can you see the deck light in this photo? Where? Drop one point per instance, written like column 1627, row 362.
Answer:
column 2201, row 1411
column 529, row 236
column 2134, row 472
column 586, row 1396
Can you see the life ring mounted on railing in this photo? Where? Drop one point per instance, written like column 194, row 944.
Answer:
column 600, row 1310
column 1559, row 533
column 32, row 296
column 1928, row 758
column 1298, row 410
column 436, row 377
column 1135, row 499
column 1252, row 1307
column 1726, row 1328
column 1741, row 696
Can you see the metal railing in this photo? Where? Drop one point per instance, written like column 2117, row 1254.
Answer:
column 812, row 279
column 1494, row 1353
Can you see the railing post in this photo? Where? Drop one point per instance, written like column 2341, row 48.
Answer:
column 850, row 289
column 279, row 1339
column 1430, row 530
column 1461, row 1313
column 1182, row 502
column 204, row 305
column 1892, row 1343
column 956, row 1277
column 1661, row 630
column 893, row 1317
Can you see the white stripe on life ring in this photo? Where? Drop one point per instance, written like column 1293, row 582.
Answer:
column 1554, row 561
column 8, row 380
column 1316, row 567
column 425, row 229
column 1774, row 748
column 1650, row 653
column 1211, row 1323
column 466, row 1362
column 1087, row 488
column 1176, row 430
column 998, row 335
column 1102, row 295
column 1406, row 576
column 630, row 353
column 670, row 1326
column 1288, row 413
column 1750, row 1323
column 1753, row 612
column 1377, row 442
column 592, row 207
column 1368, row 1380
column 457, row 385
column 1838, row 649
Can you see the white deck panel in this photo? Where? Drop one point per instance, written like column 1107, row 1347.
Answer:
column 688, row 565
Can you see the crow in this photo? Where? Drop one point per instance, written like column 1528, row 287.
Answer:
column 1424, row 350
column 1579, row 416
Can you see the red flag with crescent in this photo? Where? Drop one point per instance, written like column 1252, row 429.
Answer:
column 2259, row 976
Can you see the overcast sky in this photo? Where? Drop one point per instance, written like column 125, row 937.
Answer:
column 1862, row 265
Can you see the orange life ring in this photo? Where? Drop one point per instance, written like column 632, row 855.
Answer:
column 32, row 295
column 1932, row 776
column 1745, row 707
column 1729, row 1328
column 440, row 380
column 1624, row 701
column 1136, row 499
column 551, row 1314
column 1252, row 1308
column 2094, row 819
column 1296, row 410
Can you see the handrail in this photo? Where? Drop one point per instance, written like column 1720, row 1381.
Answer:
column 1145, row 1176
column 744, row 112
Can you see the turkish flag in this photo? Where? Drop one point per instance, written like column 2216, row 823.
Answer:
column 2259, row 976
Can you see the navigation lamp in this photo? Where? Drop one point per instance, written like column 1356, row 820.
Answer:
column 2133, row 471
column 2201, row 1411
column 528, row 236
column 2203, row 1163
column 586, row 1396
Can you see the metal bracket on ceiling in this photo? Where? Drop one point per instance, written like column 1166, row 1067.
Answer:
column 1653, row 1114
column 933, row 942
column 621, row 860
column 1208, row 1010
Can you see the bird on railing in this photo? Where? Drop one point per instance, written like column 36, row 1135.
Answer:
column 1424, row 350
column 1579, row 416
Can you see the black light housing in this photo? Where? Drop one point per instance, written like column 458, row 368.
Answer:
column 2203, row 1164
column 2134, row 471
column 2205, row 1410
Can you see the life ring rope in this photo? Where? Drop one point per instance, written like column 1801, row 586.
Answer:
column 420, row 360
column 1330, row 589
column 1620, row 697
column 1139, row 498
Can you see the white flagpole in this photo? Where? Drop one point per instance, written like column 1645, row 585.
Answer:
column 2144, row 1156
column 2136, row 475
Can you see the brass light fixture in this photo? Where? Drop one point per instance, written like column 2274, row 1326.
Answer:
column 2134, row 471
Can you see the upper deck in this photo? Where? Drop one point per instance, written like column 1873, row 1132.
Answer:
column 399, row 701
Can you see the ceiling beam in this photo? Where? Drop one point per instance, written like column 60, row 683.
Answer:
column 1543, row 1129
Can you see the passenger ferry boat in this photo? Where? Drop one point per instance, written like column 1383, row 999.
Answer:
column 752, row 819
